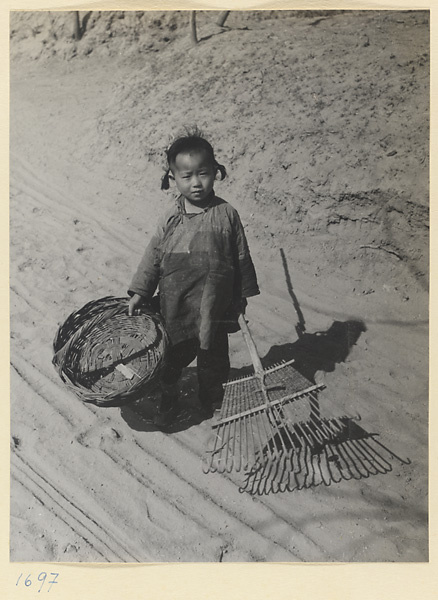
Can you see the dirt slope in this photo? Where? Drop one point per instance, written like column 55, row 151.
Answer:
column 322, row 123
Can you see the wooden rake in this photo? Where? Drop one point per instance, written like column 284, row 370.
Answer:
column 253, row 423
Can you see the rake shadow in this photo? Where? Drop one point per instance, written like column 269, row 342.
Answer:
column 318, row 452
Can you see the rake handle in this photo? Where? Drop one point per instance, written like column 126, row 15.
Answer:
column 258, row 368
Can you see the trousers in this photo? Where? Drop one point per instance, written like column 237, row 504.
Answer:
column 213, row 367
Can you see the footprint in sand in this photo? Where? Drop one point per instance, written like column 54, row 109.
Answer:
column 98, row 436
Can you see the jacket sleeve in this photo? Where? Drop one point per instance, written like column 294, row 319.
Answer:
column 246, row 275
column 146, row 277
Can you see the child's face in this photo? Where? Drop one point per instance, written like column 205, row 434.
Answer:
column 194, row 175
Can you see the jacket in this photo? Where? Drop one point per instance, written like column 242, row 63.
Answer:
column 202, row 266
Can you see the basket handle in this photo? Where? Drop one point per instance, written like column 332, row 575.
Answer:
column 258, row 368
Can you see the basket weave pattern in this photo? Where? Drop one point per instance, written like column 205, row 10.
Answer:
column 107, row 357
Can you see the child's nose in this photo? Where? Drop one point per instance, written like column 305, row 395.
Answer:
column 197, row 182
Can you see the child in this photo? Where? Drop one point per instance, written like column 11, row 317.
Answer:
column 200, row 260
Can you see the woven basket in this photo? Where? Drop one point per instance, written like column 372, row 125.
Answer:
column 107, row 357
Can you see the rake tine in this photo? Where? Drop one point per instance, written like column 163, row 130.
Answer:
column 356, row 458
column 303, row 455
column 322, row 434
column 323, row 430
column 258, row 474
column 309, row 449
column 213, row 453
column 285, row 429
column 342, row 451
column 207, row 461
column 243, row 443
column 314, row 400
column 350, row 450
column 290, row 469
column 314, row 463
column 364, row 457
column 258, row 431
column 235, row 456
column 340, row 423
column 228, row 454
column 278, row 473
column 404, row 462
column 268, row 476
column 309, row 467
column 206, row 467
column 382, row 458
column 252, row 443
column 325, row 469
column 278, row 431
column 223, row 449
column 274, row 487
column 246, row 454
column 283, row 461
column 314, row 437
column 341, row 464
column 249, row 459
column 299, row 448
column 251, row 440
column 344, row 467
column 264, row 439
column 238, row 456
column 334, row 430
column 366, row 448
column 299, row 475
column 337, row 426
column 327, row 430
column 285, row 481
column 301, row 428
column 332, row 464
column 295, row 461
column 314, row 406
column 303, row 469
column 280, row 455
column 318, row 458
column 227, row 447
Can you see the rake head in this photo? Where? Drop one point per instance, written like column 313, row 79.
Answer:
column 254, row 421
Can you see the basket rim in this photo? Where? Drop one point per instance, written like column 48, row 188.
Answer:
column 109, row 307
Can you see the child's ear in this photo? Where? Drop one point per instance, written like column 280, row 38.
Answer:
column 171, row 176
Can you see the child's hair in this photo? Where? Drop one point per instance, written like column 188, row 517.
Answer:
column 189, row 143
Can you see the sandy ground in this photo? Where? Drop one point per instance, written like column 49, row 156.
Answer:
column 322, row 123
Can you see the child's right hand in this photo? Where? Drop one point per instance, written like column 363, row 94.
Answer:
column 134, row 304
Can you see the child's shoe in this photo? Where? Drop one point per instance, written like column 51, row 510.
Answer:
column 168, row 409
column 207, row 410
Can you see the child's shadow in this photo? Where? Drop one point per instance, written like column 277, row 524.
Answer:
column 139, row 415
column 312, row 352
column 319, row 351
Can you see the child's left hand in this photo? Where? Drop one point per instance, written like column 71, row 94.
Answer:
column 240, row 306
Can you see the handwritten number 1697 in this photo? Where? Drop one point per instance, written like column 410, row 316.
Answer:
column 42, row 577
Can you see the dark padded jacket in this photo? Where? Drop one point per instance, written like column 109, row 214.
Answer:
column 202, row 267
